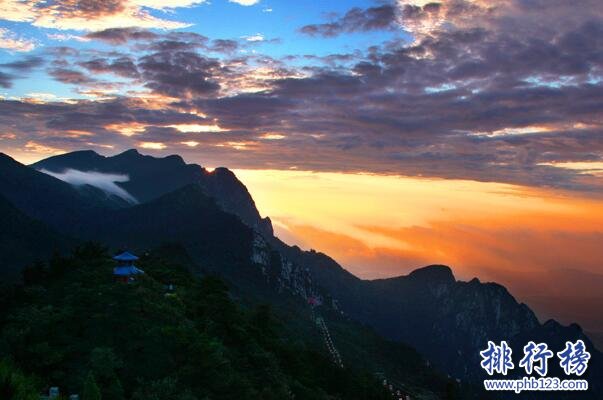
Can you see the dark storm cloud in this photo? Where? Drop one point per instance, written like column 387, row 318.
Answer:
column 355, row 20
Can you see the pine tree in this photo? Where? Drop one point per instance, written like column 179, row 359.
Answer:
column 91, row 390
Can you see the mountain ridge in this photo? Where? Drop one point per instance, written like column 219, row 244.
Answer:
column 150, row 177
column 445, row 319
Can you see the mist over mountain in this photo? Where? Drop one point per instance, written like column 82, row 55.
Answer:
column 212, row 216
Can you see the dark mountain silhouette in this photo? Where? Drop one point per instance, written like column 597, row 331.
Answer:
column 50, row 200
column 187, row 216
column 218, row 242
column 213, row 216
column 445, row 319
column 150, row 178
column 24, row 240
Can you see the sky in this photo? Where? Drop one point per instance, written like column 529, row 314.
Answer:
column 388, row 134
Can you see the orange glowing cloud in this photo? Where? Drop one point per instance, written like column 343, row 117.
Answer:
column 127, row 129
column 152, row 145
column 188, row 128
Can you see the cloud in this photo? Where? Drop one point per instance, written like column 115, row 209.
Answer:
column 38, row 148
column 477, row 91
column 6, row 80
column 152, row 145
column 122, row 66
column 10, row 41
column 245, row 2
column 226, row 46
column 180, row 73
column 93, row 15
column 517, row 17
column 61, row 37
column 178, row 41
column 172, row 4
column 355, row 20
column 70, row 76
column 121, row 35
column 18, row 68
column 105, row 182
column 258, row 37
column 25, row 64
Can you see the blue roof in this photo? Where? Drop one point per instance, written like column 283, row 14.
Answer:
column 127, row 270
column 125, row 256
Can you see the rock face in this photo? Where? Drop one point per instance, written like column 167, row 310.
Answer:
column 214, row 217
column 429, row 308
column 281, row 272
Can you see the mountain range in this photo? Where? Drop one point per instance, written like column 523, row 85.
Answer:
column 142, row 202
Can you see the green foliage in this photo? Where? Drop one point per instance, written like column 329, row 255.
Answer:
column 104, row 363
column 91, row 390
column 163, row 389
column 73, row 326
column 14, row 385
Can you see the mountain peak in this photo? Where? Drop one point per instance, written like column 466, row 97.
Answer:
column 433, row 274
column 85, row 153
column 81, row 160
column 150, row 177
column 176, row 158
column 128, row 153
column 6, row 157
column 135, row 155
column 223, row 171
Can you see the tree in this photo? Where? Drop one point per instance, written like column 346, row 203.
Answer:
column 104, row 363
column 451, row 390
column 91, row 390
column 14, row 385
column 35, row 273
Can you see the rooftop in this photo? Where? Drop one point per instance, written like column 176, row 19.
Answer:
column 125, row 256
